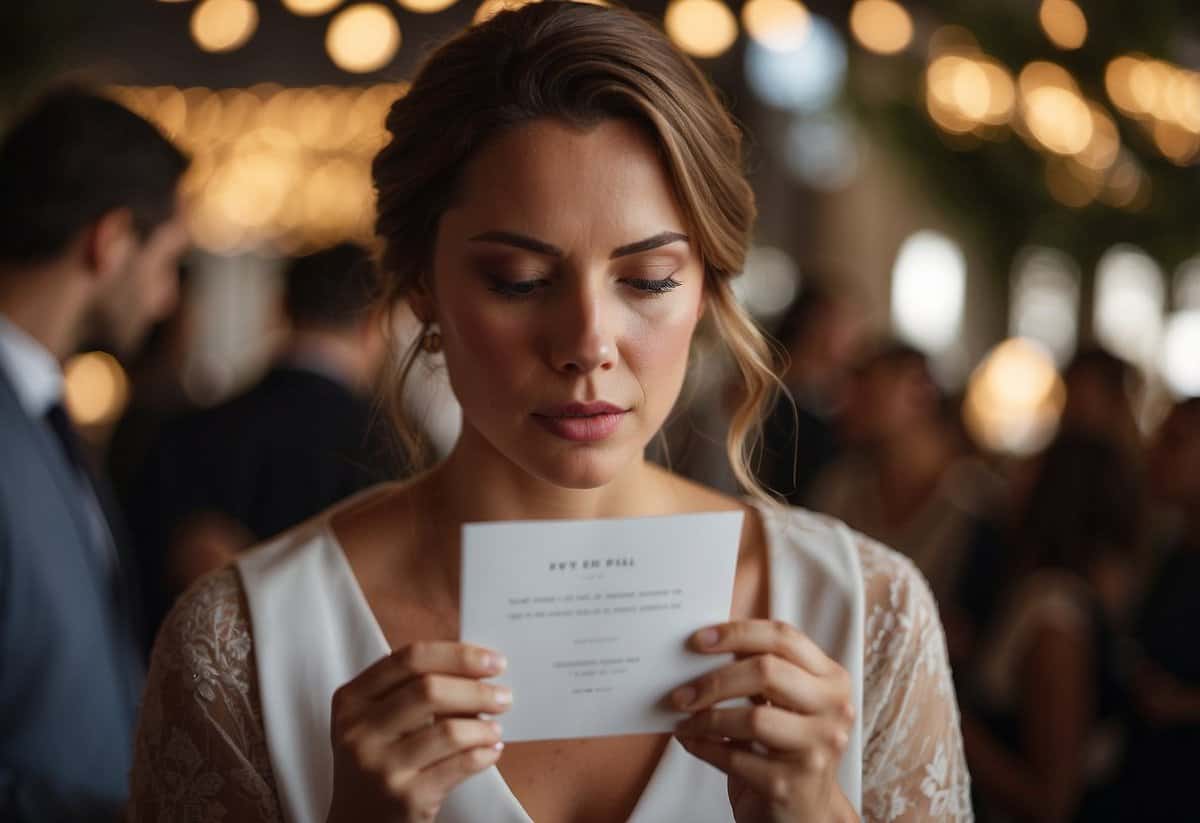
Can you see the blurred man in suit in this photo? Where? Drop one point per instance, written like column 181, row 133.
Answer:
column 295, row 442
column 90, row 240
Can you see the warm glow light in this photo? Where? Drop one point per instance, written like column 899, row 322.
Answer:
column 490, row 8
column 1014, row 399
column 1177, row 144
column 1101, row 151
column 952, row 39
column 1064, row 23
column 1071, row 185
column 779, row 25
column 223, row 25
column 702, row 28
column 1058, row 119
column 1118, row 82
column 95, row 388
column 881, row 26
column 967, row 91
column 426, row 6
column 1040, row 74
column 310, row 8
column 363, row 38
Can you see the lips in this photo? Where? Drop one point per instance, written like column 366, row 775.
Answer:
column 581, row 422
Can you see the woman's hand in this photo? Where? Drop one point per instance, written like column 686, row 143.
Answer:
column 782, row 752
column 407, row 730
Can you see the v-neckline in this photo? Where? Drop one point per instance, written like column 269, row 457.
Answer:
column 647, row 800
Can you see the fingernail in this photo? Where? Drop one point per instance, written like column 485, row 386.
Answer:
column 707, row 637
column 497, row 747
column 683, row 697
column 496, row 730
column 502, row 696
column 494, row 662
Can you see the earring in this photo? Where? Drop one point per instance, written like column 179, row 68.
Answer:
column 431, row 341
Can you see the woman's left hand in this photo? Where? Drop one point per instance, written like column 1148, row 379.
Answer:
column 782, row 752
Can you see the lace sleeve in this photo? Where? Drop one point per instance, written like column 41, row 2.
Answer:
column 200, row 753
column 913, row 764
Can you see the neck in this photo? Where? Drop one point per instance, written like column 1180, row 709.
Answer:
column 48, row 304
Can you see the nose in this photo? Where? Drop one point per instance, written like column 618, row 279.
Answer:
column 581, row 339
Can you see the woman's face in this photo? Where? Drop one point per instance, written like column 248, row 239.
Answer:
column 567, row 292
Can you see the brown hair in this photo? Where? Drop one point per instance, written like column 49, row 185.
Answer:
column 581, row 64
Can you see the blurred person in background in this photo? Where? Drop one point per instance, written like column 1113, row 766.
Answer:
column 91, row 234
column 1100, row 389
column 1165, row 738
column 908, row 477
column 298, row 440
column 820, row 333
column 1043, row 700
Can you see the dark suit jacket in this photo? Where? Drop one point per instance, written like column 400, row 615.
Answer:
column 70, row 670
column 292, row 445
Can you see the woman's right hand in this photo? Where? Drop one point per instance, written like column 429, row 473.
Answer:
column 407, row 730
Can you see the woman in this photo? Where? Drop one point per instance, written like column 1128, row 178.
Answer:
column 561, row 202
column 1046, row 681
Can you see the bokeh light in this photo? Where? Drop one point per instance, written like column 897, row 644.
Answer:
column 780, row 25
column 223, row 25
column 1064, row 23
column 363, row 38
column 311, row 8
column 769, row 282
column 1181, row 353
column 1014, row 399
column 928, row 287
column 702, row 28
column 490, row 8
column 426, row 6
column 1045, row 300
column 881, row 26
column 95, row 388
column 1130, row 298
column 807, row 78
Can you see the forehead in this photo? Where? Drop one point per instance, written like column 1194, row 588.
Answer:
column 560, row 181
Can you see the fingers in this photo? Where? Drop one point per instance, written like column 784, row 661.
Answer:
column 779, row 681
column 749, row 637
column 442, row 740
column 420, row 701
column 407, row 663
column 781, row 731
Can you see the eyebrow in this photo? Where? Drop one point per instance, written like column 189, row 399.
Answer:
column 536, row 246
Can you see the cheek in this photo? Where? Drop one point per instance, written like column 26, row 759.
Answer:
column 657, row 349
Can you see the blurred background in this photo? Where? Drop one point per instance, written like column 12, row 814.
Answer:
column 978, row 244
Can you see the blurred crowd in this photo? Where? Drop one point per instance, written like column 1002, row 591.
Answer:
column 1068, row 582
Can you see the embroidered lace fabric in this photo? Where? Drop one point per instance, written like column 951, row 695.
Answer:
column 201, row 752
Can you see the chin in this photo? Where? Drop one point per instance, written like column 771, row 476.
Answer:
column 580, row 467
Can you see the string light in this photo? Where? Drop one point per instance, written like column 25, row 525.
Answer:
column 311, row 8
column 426, row 6
column 702, row 28
column 223, row 25
column 1064, row 23
column 363, row 38
column 881, row 26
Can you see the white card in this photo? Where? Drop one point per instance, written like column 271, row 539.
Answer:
column 594, row 616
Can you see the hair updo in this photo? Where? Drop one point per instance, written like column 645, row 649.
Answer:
column 580, row 64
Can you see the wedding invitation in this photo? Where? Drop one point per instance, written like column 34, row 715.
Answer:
column 594, row 616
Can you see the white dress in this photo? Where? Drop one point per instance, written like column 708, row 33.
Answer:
column 235, row 723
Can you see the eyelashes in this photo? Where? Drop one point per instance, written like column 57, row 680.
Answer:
column 526, row 288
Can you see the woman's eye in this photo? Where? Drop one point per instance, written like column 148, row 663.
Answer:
column 520, row 288
column 653, row 286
